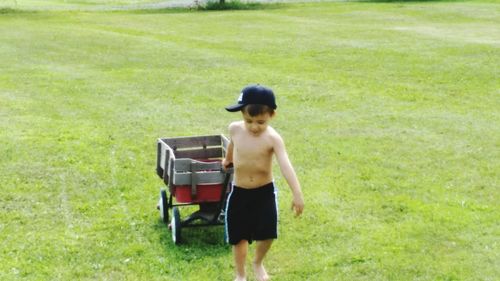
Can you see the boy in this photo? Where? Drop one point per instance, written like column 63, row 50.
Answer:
column 252, row 204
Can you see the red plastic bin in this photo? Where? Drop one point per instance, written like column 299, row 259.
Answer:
column 205, row 193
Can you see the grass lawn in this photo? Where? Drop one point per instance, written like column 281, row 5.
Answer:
column 84, row 4
column 390, row 113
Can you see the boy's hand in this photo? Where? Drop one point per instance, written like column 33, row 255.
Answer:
column 298, row 205
column 226, row 164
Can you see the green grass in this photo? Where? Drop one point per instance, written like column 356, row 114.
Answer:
column 390, row 113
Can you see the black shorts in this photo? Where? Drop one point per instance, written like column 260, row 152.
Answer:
column 252, row 214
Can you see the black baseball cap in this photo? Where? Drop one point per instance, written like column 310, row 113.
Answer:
column 254, row 94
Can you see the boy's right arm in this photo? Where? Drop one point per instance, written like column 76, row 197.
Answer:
column 228, row 160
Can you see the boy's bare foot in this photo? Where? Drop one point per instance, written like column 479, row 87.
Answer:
column 260, row 272
column 238, row 278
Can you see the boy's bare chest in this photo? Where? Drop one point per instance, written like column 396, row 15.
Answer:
column 252, row 147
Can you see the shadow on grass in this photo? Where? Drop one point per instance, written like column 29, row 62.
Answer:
column 196, row 241
column 216, row 6
column 237, row 5
column 12, row 11
column 16, row 11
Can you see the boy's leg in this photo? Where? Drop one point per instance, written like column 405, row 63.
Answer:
column 261, row 250
column 240, row 251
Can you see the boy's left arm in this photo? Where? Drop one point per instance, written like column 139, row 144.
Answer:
column 289, row 174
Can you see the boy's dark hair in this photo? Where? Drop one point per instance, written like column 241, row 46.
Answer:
column 257, row 109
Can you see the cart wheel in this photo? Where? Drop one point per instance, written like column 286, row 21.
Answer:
column 164, row 206
column 176, row 226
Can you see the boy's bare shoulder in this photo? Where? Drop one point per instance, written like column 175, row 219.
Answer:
column 235, row 127
column 236, row 124
column 274, row 135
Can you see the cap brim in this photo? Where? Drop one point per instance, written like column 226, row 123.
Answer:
column 234, row 108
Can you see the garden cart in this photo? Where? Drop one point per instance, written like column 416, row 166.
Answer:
column 191, row 169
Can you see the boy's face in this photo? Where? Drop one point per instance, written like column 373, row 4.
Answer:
column 256, row 125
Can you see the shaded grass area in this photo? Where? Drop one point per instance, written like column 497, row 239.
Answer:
column 236, row 5
column 389, row 112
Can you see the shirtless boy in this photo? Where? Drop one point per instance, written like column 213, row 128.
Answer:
column 252, row 212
